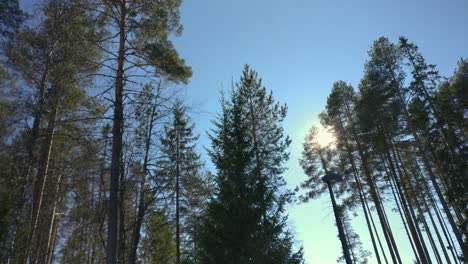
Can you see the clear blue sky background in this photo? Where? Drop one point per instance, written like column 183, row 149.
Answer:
column 299, row 48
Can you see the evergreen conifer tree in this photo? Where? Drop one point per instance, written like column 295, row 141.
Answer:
column 245, row 221
column 180, row 166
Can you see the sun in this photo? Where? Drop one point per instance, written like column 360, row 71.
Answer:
column 324, row 137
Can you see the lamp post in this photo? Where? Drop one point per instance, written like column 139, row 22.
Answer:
column 329, row 179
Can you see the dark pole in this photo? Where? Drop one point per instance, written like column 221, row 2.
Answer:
column 344, row 245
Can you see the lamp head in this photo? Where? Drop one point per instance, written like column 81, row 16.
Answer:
column 332, row 177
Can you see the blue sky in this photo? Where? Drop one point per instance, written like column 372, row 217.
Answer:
column 299, row 48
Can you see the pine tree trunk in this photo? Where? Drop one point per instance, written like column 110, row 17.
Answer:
column 51, row 236
column 142, row 204
column 436, row 229
column 53, row 243
column 360, row 190
column 121, row 229
column 112, row 226
column 439, row 219
column 40, row 186
column 397, row 156
column 377, row 234
column 50, row 246
column 399, row 204
column 444, row 182
column 407, row 206
column 384, row 212
column 385, row 228
column 410, row 195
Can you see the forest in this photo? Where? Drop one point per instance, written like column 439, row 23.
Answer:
column 100, row 161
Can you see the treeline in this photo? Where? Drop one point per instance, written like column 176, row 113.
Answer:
column 98, row 157
column 401, row 143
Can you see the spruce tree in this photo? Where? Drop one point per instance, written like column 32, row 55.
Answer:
column 180, row 166
column 245, row 220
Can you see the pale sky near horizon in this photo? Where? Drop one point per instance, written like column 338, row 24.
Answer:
column 300, row 48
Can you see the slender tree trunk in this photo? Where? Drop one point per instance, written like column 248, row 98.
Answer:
column 51, row 252
column 112, row 226
column 360, row 190
column 178, row 194
column 121, row 229
column 444, row 183
column 424, row 222
column 52, row 235
column 385, row 228
column 101, row 216
column 439, row 219
column 407, row 207
column 436, row 229
column 40, row 184
column 399, row 206
column 54, row 216
column 351, row 251
column 377, row 234
column 142, row 203
column 418, row 204
column 384, row 212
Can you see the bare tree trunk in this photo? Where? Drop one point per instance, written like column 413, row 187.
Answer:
column 397, row 156
column 142, row 206
column 360, row 190
column 399, row 204
column 53, row 242
column 436, row 229
column 112, row 230
column 440, row 220
column 370, row 182
column 384, row 212
column 54, row 215
column 52, row 235
column 121, row 230
column 40, row 184
column 377, row 234
column 407, row 206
